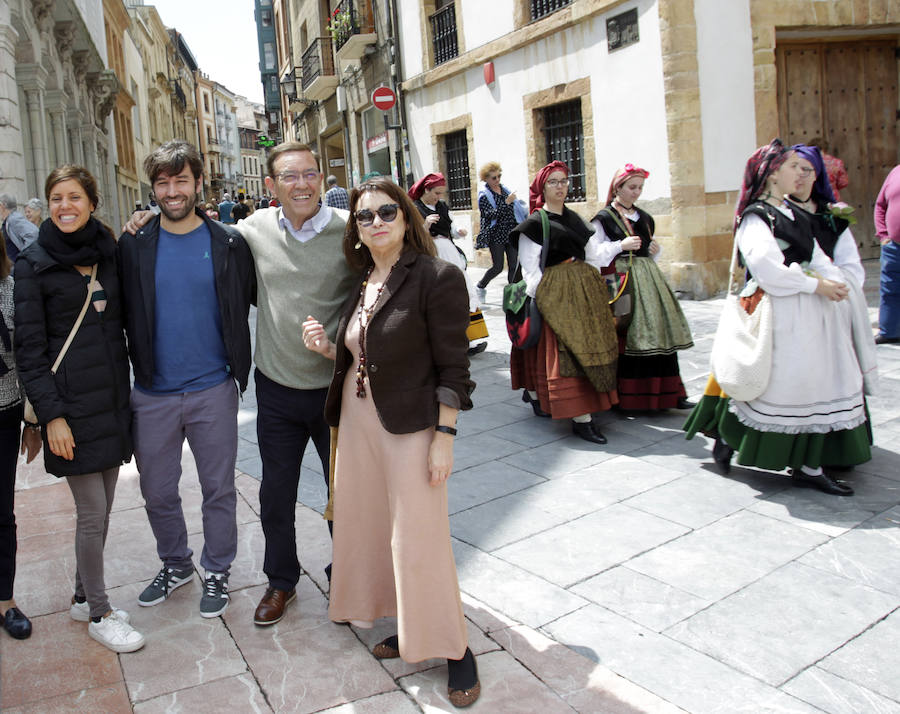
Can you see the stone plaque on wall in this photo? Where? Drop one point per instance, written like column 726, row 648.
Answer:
column 622, row 30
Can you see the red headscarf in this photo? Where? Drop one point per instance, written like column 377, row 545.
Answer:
column 426, row 182
column 762, row 163
column 536, row 190
column 621, row 176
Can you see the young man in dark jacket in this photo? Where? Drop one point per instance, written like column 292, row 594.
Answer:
column 187, row 283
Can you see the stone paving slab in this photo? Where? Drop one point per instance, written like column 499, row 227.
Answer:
column 838, row 695
column 773, row 629
column 724, row 557
column 679, row 674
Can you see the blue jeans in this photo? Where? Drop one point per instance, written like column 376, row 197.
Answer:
column 889, row 312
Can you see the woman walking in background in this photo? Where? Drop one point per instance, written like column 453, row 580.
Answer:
column 571, row 372
column 648, row 374
column 67, row 286
column 428, row 196
column 496, row 204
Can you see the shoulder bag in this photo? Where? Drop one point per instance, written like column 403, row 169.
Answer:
column 741, row 359
column 30, row 416
column 621, row 287
column 523, row 320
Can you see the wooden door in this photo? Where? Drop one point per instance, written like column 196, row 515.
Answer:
column 846, row 93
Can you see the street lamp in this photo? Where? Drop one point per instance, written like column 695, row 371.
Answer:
column 289, row 87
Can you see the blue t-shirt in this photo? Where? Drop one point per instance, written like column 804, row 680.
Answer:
column 188, row 346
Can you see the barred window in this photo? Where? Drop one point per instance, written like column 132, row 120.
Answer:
column 443, row 33
column 540, row 8
column 456, row 154
column 564, row 136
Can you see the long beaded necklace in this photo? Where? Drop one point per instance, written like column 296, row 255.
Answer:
column 368, row 312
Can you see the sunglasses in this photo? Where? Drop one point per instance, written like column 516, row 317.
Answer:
column 387, row 213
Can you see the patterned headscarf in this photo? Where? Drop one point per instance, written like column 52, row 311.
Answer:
column 762, row 163
column 428, row 181
column 821, row 189
column 536, row 190
column 621, row 176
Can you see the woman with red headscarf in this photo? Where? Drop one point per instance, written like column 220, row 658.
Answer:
column 811, row 413
column 648, row 376
column 571, row 372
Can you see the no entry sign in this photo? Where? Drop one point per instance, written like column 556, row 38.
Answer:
column 383, row 98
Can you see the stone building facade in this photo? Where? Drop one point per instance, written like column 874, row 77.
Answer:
column 684, row 88
column 56, row 97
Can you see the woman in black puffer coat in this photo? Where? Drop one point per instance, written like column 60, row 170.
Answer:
column 84, row 407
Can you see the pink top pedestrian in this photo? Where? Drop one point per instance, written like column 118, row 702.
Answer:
column 887, row 208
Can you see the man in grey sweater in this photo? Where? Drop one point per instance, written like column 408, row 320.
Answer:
column 301, row 271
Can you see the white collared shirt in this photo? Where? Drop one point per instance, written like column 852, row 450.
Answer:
column 310, row 228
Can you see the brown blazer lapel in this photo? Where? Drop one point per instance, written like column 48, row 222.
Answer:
column 397, row 277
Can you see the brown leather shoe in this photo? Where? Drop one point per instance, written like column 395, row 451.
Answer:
column 272, row 606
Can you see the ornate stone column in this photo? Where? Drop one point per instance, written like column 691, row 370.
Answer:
column 32, row 78
column 55, row 102
column 12, row 158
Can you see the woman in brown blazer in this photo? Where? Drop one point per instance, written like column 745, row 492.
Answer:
column 401, row 376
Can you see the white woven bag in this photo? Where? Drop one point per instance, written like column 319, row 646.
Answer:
column 741, row 359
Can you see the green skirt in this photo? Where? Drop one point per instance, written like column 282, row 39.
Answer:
column 658, row 325
column 771, row 450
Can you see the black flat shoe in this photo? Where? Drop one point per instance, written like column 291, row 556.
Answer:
column 477, row 349
column 882, row 340
column 821, row 481
column 722, row 454
column 463, row 687
column 685, row 403
column 535, row 405
column 588, row 432
column 16, row 624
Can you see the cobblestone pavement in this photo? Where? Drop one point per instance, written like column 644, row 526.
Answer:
column 620, row 578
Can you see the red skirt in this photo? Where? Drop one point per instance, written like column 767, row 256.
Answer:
column 537, row 370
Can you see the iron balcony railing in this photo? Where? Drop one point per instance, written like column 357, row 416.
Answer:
column 443, row 34
column 351, row 17
column 318, row 61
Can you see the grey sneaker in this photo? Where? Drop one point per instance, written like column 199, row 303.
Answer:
column 166, row 580
column 215, row 595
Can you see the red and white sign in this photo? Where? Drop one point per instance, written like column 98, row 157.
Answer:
column 383, row 98
column 377, row 142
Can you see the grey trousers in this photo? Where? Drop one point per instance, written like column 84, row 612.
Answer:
column 93, row 494
column 208, row 420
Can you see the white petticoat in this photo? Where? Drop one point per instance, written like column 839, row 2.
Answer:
column 817, row 383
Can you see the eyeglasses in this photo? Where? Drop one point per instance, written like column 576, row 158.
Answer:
column 553, row 183
column 292, row 177
column 496, row 177
column 806, row 170
column 387, row 213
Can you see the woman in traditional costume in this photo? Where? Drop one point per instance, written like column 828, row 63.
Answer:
column 808, row 415
column 648, row 375
column 571, row 372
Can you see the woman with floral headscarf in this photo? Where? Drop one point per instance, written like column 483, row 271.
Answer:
column 648, row 375
column 571, row 372
column 806, row 417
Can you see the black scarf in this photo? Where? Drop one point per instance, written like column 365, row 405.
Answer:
column 86, row 246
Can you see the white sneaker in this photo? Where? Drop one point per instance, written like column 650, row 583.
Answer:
column 116, row 634
column 481, row 293
column 81, row 612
